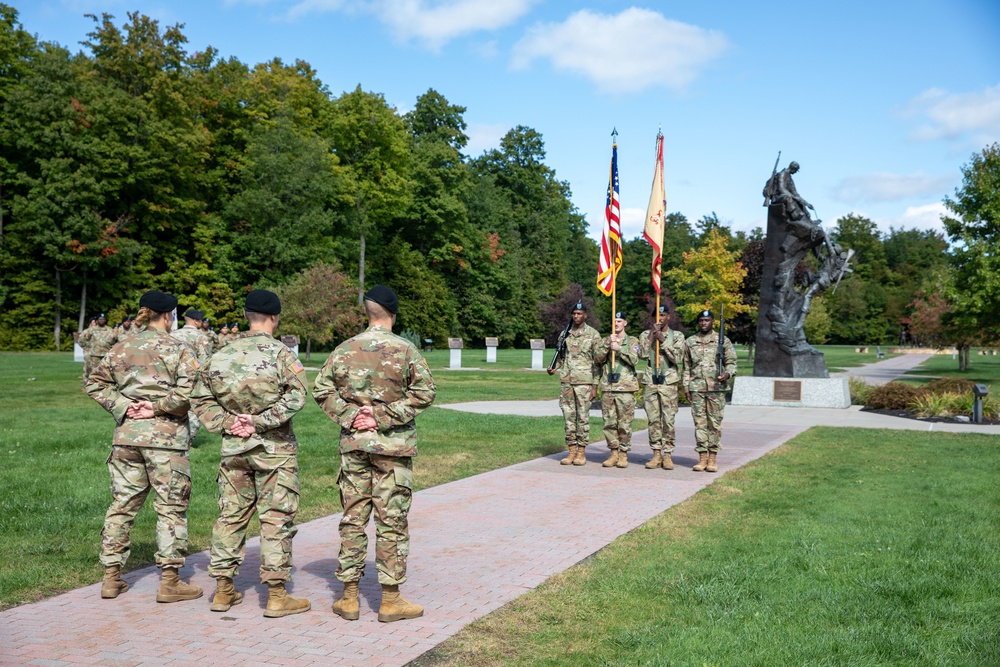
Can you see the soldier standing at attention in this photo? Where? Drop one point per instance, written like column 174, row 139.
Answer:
column 223, row 336
column 145, row 383
column 84, row 341
column 618, row 386
column 249, row 393
column 706, row 388
column 373, row 386
column 213, row 338
column 578, row 384
column 192, row 335
column 660, row 398
column 100, row 338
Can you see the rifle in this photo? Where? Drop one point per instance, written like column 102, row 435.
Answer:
column 720, row 352
column 561, row 345
column 770, row 183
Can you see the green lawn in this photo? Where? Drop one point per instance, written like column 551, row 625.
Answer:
column 843, row 547
column 54, row 441
column 985, row 369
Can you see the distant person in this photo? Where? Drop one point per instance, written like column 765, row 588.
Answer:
column 578, row 384
column 373, row 386
column 96, row 341
column 706, row 388
column 249, row 392
column 145, row 382
column 660, row 394
column 618, row 386
column 192, row 335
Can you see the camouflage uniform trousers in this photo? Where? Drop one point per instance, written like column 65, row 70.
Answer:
column 89, row 364
column 269, row 484
column 134, row 472
column 574, row 401
column 384, row 483
column 193, row 426
column 707, row 408
column 618, row 410
column 660, row 402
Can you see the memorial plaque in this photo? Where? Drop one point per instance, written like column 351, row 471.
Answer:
column 455, row 344
column 290, row 341
column 787, row 390
column 537, row 343
column 492, row 342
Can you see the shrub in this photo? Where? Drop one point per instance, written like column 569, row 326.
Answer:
column 948, row 386
column 413, row 337
column 859, row 390
column 935, row 405
column 892, row 396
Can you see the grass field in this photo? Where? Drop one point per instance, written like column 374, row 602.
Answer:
column 985, row 369
column 843, row 547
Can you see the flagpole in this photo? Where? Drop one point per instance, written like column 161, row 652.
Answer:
column 656, row 313
column 614, row 266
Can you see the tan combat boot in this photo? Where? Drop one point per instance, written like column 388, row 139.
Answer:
column 622, row 461
column 226, row 595
column 668, row 462
column 280, row 603
column 172, row 589
column 570, row 457
column 702, row 462
column 395, row 607
column 611, row 459
column 348, row 607
column 581, row 456
column 113, row 584
column 710, row 466
column 655, row 461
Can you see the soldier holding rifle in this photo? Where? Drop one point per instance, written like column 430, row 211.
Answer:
column 578, row 383
column 709, row 363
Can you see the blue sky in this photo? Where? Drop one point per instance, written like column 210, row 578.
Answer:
column 880, row 102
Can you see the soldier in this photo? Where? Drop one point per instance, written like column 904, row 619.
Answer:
column 618, row 386
column 206, row 328
column 223, row 336
column 191, row 334
column 249, row 392
column 99, row 339
column 660, row 393
column 373, row 386
column 145, row 383
column 578, row 384
column 234, row 331
column 84, row 340
column 706, row 388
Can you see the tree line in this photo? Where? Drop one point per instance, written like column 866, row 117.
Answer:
column 136, row 163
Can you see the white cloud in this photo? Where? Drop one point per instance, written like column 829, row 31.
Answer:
column 431, row 22
column 627, row 52
column 483, row 137
column 927, row 216
column 633, row 221
column 967, row 117
column 884, row 186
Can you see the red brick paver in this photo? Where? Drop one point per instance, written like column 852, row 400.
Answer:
column 476, row 544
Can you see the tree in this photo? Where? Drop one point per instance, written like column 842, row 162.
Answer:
column 710, row 277
column 742, row 328
column 556, row 313
column 319, row 304
column 974, row 230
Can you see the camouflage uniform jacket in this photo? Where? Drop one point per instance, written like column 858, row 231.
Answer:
column 626, row 357
column 259, row 376
column 577, row 365
column 671, row 355
column 700, row 365
column 150, row 366
column 199, row 342
column 96, row 341
column 386, row 372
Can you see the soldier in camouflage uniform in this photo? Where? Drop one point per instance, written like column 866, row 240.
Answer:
column 618, row 396
column 199, row 343
column 373, row 386
column 145, row 383
column 95, row 341
column 660, row 398
column 706, row 388
column 578, row 384
column 83, row 340
column 249, row 392
column 206, row 328
column 223, row 336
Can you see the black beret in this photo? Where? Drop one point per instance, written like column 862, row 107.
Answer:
column 705, row 313
column 663, row 309
column 618, row 315
column 579, row 305
column 195, row 314
column 158, row 301
column 384, row 297
column 263, row 301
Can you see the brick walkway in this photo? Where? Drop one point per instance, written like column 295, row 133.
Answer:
column 477, row 544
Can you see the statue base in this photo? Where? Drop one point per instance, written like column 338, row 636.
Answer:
column 792, row 392
column 776, row 362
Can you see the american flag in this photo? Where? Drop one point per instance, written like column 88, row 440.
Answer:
column 611, row 236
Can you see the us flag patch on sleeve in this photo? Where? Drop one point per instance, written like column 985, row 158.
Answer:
column 298, row 367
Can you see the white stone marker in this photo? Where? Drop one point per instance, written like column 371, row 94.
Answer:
column 491, row 350
column 537, row 354
column 455, row 345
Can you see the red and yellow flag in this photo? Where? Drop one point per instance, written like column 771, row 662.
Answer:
column 656, row 213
